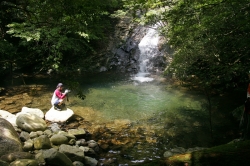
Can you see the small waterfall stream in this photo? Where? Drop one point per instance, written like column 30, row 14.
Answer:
column 148, row 47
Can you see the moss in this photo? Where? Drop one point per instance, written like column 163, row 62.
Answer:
column 224, row 155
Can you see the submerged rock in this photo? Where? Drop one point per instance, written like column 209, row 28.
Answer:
column 77, row 132
column 90, row 161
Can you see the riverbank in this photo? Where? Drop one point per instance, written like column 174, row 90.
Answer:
column 126, row 141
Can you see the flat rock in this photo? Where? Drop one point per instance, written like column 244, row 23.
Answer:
column 77, row 132
column 58, row 116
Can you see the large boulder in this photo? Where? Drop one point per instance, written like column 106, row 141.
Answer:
column 9, row 140
column 58, row 116
column 34, row 111
column 30, row 122
column 53, row 157
column 74, row 153
column 9, row 117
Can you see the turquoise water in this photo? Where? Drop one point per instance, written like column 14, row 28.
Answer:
column 127, row 99
column 135, row 123
column 142, row 120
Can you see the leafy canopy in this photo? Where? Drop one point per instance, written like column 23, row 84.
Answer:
column 210, row 38
column 55, row 34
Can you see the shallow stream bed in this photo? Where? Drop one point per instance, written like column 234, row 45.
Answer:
column 133, row 122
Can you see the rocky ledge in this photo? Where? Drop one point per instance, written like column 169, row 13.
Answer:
column 30, row 138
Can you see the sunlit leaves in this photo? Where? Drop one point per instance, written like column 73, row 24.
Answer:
column 55, row 33
column 17, row 30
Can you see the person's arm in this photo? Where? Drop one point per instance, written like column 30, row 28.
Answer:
column 60, row 95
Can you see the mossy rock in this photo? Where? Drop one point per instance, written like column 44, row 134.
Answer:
column 232, row 154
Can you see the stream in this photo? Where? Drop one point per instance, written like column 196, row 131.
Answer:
column 136, row 122
column 134, row 118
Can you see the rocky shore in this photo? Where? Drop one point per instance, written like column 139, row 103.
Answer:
column 30, row 138
column 49, row 137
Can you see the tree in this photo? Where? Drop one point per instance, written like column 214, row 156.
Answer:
column 55, row 34
column 210, row 38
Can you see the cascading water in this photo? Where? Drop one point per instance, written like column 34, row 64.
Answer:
column 148, row 49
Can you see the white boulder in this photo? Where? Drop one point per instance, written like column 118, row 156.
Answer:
column 33, row 111
column 58, row 116
column 9, row 117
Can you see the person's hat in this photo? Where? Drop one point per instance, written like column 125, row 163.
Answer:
column 59, row 85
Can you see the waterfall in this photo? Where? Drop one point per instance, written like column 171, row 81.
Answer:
column 148, row 48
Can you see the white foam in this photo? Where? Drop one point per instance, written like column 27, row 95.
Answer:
column 143, row 79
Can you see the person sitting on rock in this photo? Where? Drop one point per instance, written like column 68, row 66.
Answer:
column 58, row 96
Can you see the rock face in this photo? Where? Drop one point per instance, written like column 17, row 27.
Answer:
column 9, row 140
column 58, row 116
column 123, row 50
column 30, row 122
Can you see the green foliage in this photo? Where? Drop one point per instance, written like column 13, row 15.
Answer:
column 211, row 38
column 55, row 34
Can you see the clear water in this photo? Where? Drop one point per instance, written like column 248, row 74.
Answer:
column 139, row 121
column 133, row 122
column 128, row 99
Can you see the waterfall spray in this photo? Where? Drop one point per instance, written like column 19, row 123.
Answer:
column 148, row 49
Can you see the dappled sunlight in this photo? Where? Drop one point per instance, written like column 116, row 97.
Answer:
column 10, row 135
